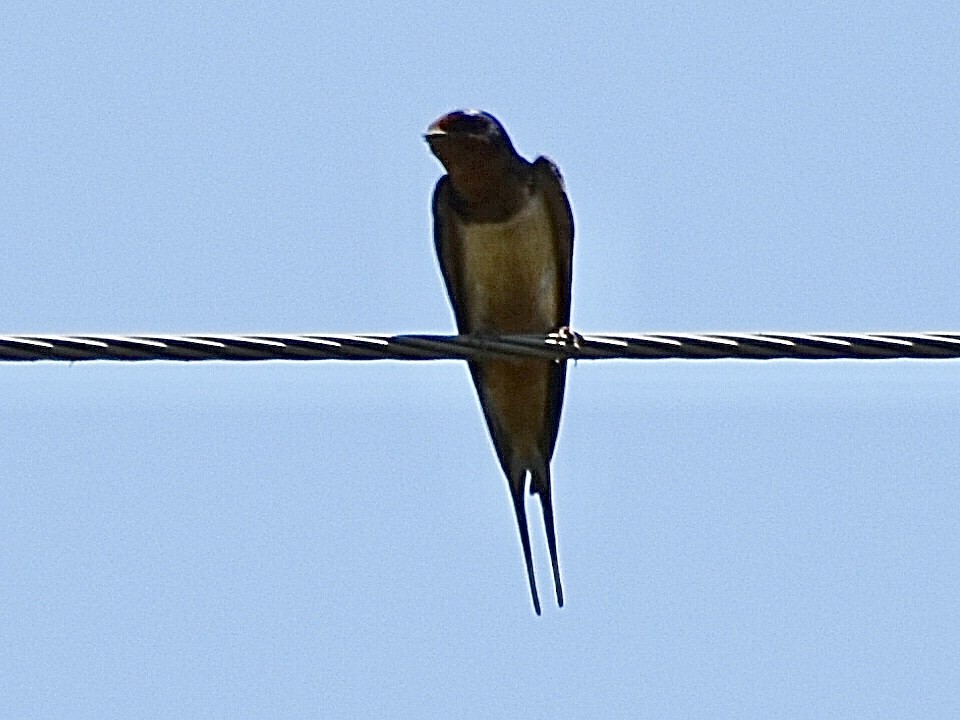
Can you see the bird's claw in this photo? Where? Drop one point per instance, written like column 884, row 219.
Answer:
column 566, row 337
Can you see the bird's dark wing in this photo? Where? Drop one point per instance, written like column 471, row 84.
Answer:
column 447, row 241
column 547, row 177
column 549, row 182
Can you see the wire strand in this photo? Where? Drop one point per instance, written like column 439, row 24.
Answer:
column 555, row 346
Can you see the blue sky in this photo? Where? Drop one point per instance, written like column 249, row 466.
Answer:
column 335, row 539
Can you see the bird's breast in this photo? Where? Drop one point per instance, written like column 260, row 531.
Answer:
column 511, row 272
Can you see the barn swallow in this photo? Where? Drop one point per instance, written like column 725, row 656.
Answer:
column 503, row 230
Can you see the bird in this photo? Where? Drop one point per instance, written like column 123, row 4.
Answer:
column 503, row 231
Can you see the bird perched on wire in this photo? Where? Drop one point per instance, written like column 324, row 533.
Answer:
column 503, row 230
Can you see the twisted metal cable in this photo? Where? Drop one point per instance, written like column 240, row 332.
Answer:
column 647, row 346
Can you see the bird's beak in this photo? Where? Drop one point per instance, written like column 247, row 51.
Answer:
column 434, row 131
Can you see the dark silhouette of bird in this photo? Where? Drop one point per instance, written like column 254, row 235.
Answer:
column 503, row 230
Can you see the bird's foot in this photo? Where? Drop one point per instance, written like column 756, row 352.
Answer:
column 566, row 337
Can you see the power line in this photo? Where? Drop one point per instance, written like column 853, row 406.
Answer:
column 602, row 346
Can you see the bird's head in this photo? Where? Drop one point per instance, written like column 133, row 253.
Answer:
column 468, row 126
column 473, row 147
